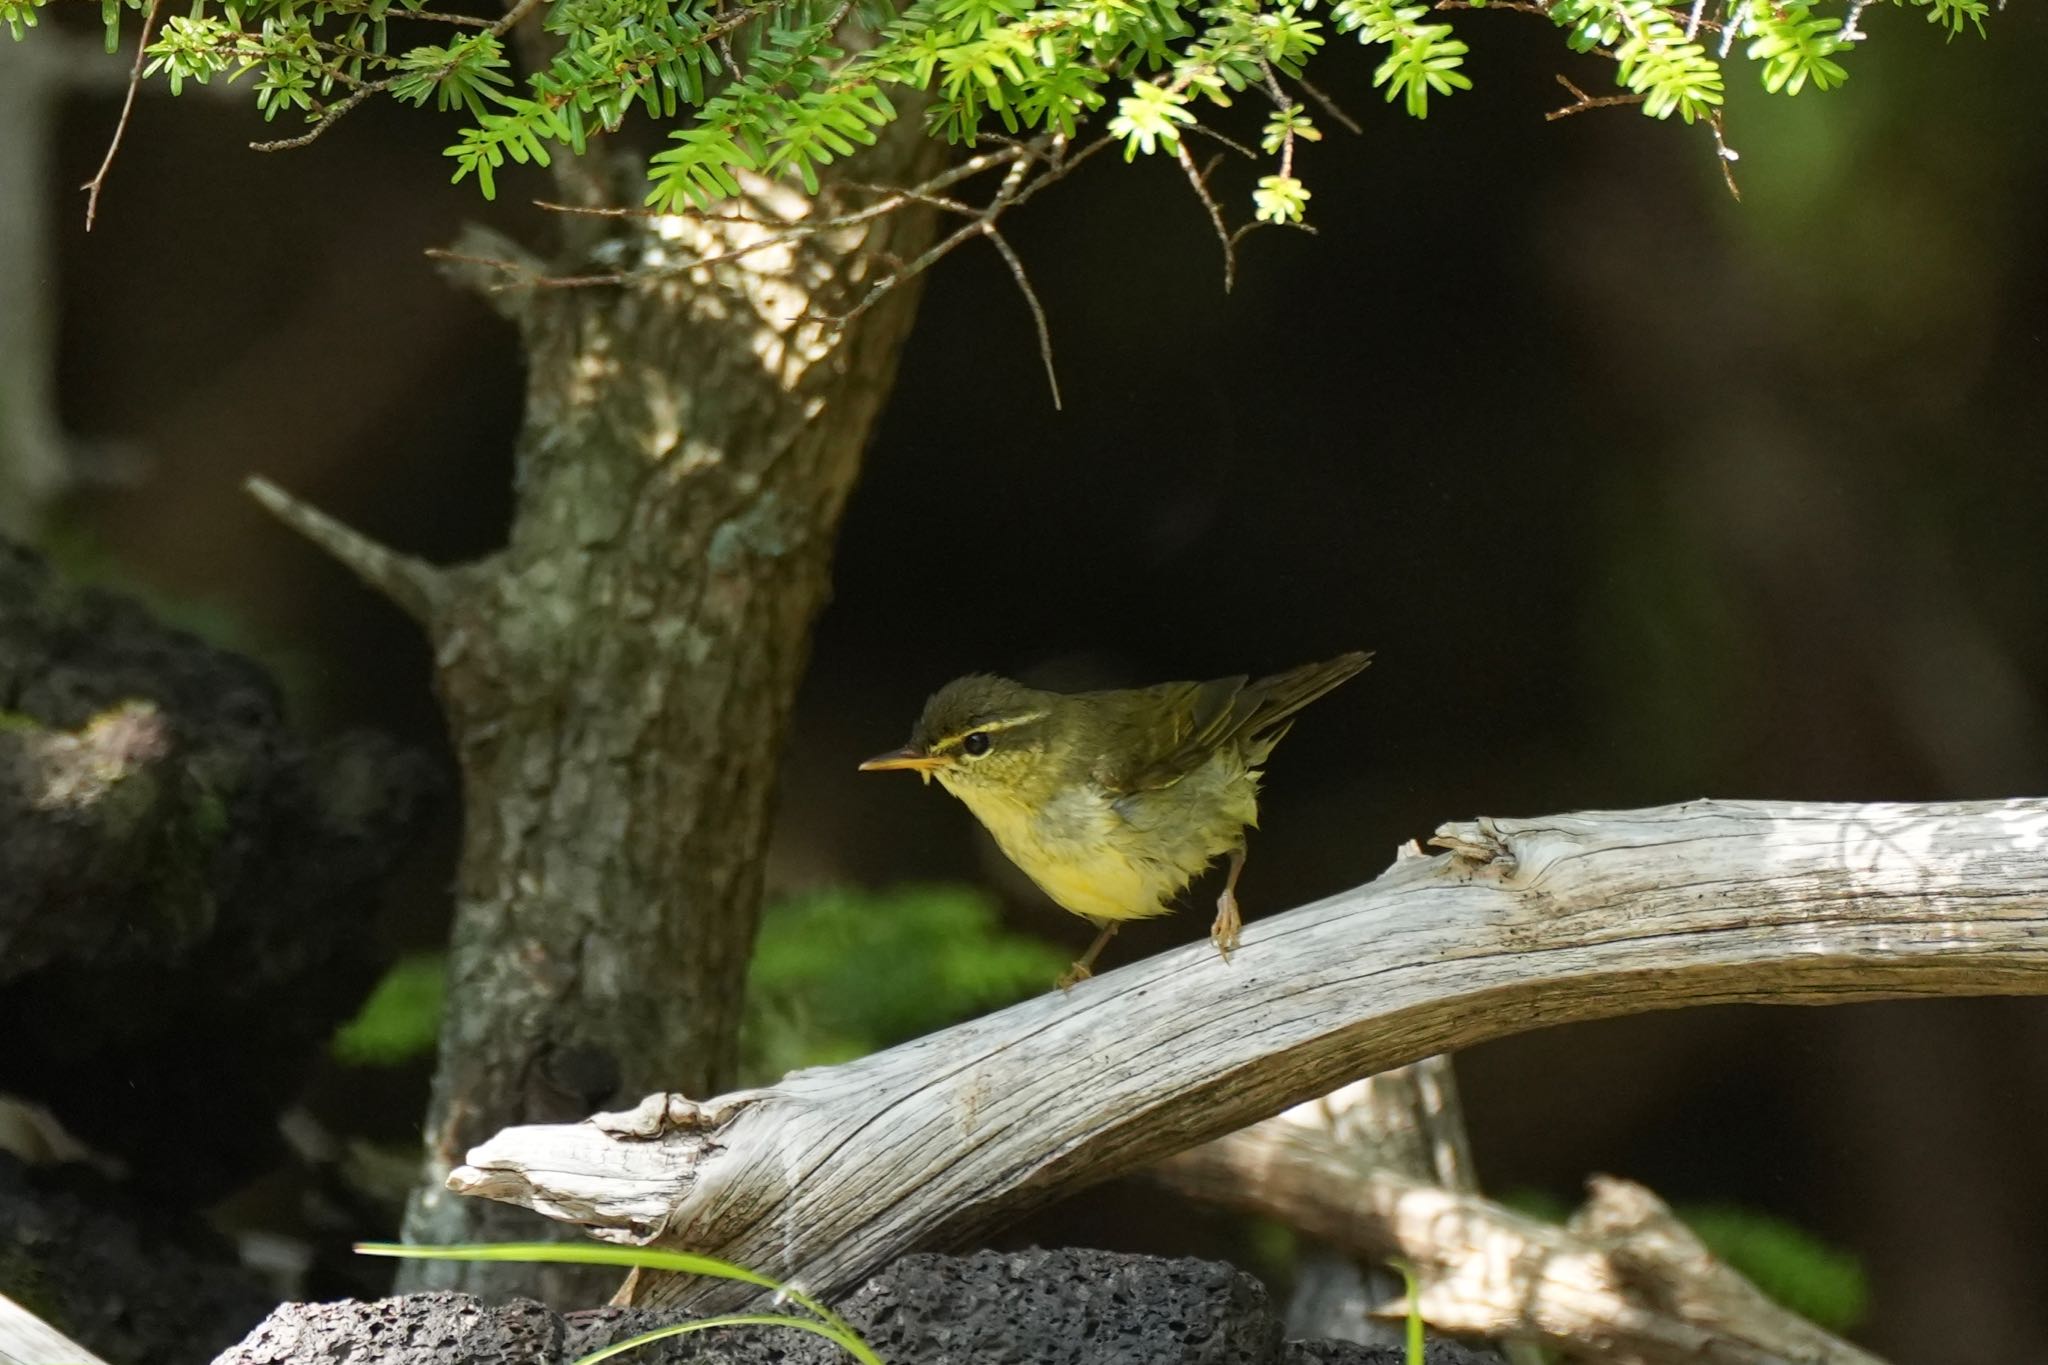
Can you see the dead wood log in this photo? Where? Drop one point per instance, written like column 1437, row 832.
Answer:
column 1523, row 924
column 1625, row 1282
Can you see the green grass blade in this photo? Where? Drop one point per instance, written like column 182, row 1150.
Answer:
column 847, row 1342
column 1414, row 1349
column 580, row 1253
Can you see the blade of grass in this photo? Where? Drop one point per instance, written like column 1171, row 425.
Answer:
column 572, row 1253
column 852, row 1345
column 1414, row 1348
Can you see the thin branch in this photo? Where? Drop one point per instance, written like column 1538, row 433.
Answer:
column 98, row 182
column 525, row 276
column 1581, row 101
column 1045, row 153
column 329, row 116
column 1016, row 264
column 1204, row 130
column 334, row 113
column 1726, row 155
column 1330, row 106
column 1198, row 180
column 416, row 586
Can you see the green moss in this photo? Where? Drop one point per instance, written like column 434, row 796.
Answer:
column 1821, row 1283
column 402, row 1018
column 840, row 973
column 1799, row 1271
column 15, row 722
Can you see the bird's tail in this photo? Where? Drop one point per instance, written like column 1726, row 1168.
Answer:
column 1280, row 696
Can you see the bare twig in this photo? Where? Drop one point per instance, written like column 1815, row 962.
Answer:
column 1198, row 180
column 1048, row 154
column 1204, row 130
column 98, row 182
column 413, row 584
column 1727, row 155
column 1330, row 106
column 329, row 116
column 1016, row 265
column 894, row 199
column 1581, row 101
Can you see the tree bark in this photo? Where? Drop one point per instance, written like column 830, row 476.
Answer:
column 1524, row 924
column 617, row 680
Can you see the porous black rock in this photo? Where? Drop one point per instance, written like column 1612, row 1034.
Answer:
column 1061, row 1307
column 134, row 1283
column 444, row 1329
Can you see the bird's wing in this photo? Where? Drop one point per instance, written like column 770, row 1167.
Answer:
column 1185, row 721
column 1198, row 718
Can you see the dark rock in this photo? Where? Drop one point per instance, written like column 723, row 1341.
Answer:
column 132, row 1284
column 447, row 1329
column 1066, row 1307
column 185, row 885
column 1435, row 1352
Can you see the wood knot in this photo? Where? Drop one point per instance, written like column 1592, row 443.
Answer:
column 1477, row 848
column 659, row 1115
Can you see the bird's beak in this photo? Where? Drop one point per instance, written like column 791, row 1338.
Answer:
column 909, row 756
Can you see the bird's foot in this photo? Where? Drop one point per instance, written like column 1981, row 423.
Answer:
column 1223, row 933
column 1073, row 976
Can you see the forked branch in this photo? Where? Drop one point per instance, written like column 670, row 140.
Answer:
column 1522, row 924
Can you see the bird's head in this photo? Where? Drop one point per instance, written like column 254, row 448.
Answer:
column 983, row 735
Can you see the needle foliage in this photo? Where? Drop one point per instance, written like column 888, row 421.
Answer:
column 785, row 87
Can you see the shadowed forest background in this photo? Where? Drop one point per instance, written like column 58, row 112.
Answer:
column 1640, row 494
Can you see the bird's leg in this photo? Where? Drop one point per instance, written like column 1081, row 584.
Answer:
column 1223, row 933
column 1085, row 968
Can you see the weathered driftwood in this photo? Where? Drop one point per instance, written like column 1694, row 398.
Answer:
column 1406, row 1121
column 26, row 1339
column 1624, row 1277
column 1523, row 924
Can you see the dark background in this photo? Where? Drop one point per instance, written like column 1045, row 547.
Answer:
column 1639, row 493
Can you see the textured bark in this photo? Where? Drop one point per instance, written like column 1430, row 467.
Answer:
column 617, row 680
column 1524, row 924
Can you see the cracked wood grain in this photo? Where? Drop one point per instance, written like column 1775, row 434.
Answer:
column 1523, row 924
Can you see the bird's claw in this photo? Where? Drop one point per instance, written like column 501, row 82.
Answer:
column 1224, row 932
column 1073, row 976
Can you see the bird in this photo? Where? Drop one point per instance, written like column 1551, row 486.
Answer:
column 1113, row 801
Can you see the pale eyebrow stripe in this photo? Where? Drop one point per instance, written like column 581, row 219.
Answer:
column 1008, row 723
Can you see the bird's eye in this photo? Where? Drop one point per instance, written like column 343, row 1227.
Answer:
column 974, row 745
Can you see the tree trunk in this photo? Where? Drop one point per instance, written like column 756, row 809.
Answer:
column 618, row 678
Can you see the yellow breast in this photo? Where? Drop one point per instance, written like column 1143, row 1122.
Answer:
column 1083, row 853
